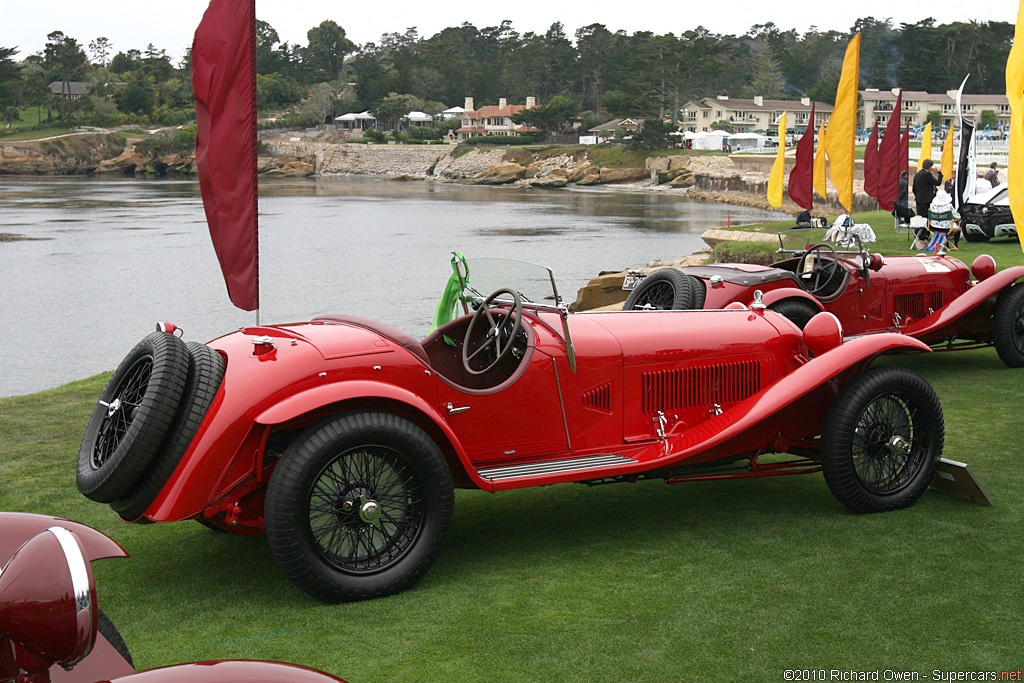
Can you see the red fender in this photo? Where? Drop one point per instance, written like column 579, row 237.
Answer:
column 965, row 303
column 326, row 394
column 18, row 527
column 230, row 672
column 775, row 295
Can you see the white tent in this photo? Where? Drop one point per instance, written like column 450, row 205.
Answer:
column 741, row 141
column 709, row 140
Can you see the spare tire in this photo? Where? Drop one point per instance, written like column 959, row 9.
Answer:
column 132, row 417
column 663, row 290
column 206, row 371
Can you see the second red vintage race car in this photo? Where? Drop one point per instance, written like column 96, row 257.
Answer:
column 928, row 297
column 343, row 438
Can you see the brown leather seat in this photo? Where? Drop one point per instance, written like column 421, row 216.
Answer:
column 390, row 332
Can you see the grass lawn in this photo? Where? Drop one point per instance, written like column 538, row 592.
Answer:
column 715, row 581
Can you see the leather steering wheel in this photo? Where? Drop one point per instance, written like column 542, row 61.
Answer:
column 822, row 270
column 503, row 325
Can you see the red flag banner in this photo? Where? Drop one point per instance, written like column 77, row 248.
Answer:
column 801, row 178
column 224, row 83
column 871, row 164
column 889, row 166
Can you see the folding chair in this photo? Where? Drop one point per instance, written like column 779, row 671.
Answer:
column 902, row 215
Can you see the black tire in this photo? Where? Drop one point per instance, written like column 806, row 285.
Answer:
column 882, row 440
column 113, row 636
column 700, row 292
column 324, row 484
column 798, row 312
column 133, row 417
column 1008, row 326
column 206, row 371
column 663, row 290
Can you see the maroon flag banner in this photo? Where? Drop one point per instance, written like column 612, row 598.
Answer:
column 871, row 164
column 801, row 178
column 889, row 164
column 224, row 83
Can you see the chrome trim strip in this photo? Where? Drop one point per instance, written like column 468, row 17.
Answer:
column 553, row 466
column 78, row 566
column 561, row 403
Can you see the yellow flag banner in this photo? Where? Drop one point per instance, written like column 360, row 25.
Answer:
column 779, row 167
column 926, row 145
column 842, row 127
column 947, row 153
column 1015, row 92
column 820, row 184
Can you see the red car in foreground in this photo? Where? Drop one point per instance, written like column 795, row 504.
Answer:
column 931, row 298
column 343, row 438
column 52, row 630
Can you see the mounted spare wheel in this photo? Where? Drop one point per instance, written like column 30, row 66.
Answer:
column 205, row 373
column 666, row 289
column 132, row 417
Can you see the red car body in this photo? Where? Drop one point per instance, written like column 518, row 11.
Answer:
column 584, row 397
column 36, row 603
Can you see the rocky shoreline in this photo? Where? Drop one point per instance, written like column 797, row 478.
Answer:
column 733, row 179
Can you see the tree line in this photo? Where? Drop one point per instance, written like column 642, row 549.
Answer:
column 601, row 72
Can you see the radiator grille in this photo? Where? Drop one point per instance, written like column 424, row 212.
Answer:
column 700, row 386
column 910, row 305
column 599, row 398
column 935, row 300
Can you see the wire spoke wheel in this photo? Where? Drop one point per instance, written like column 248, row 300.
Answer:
column 659, row 296
column 1008, row 326
column 121, row 411
column 359, row 506
column 885, row 454
column 666, row 289
column 365, row 510
column 882, row 440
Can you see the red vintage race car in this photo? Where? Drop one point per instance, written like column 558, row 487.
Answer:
column 928, row 297
column 342, row 438
column 52, row 630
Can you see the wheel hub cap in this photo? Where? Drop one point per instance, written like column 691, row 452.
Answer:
column 369, row 511
column 113, row 406
column 898, row 445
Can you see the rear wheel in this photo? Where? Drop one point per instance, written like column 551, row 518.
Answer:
column 132, row 417
column 975, row 236
column 359, row 506
column 882, row 440
column 1008, row 326
column 663, row 290
column 799, row 312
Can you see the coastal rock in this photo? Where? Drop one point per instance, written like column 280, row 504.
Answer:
column 623, row 175
column 684, row 178
column 501, row 173
column 580, row 171
column 72, row 154
column 556, row 178
column 292, row 169
column 533, row 170
column 589, row 179
column 124, row 163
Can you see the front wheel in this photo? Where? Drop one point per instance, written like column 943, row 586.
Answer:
column 882, row 440
column 1008, row 326
column 359, row 506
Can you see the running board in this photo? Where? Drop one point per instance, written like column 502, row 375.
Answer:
column 535, row 469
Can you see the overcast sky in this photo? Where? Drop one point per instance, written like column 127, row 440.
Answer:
column 170, row 25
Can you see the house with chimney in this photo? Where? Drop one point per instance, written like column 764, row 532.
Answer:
column 491, row 120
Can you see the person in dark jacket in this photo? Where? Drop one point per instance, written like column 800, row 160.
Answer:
column 904, row 185
column 925, row 182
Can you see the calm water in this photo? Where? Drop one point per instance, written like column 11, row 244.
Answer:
column 111, row 257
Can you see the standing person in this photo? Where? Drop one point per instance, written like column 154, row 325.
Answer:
column 992, row 175
column 904, row 185
column 925, row 182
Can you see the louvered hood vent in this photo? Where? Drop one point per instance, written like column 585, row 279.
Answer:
column 703, row 386
column 599, row 398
